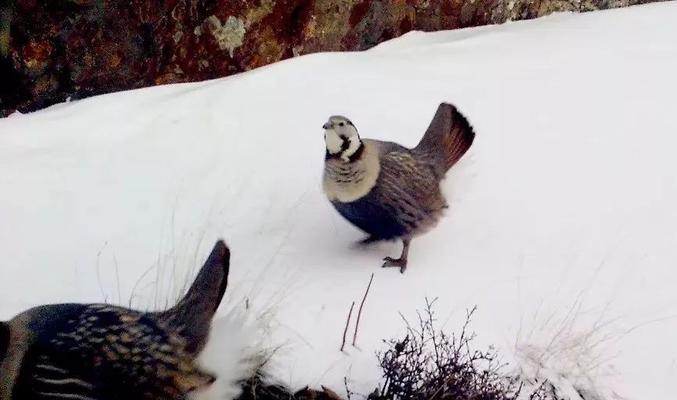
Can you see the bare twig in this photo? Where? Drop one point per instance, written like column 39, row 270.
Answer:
column 359, row 311
column 349, row 393
column 428, row 364
column 345, row 331
column 117, row 278
column 98, row 275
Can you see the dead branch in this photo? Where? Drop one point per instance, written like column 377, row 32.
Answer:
column 345, row 331
column 359, row 311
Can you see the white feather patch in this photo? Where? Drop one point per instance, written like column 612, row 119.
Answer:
column 333, row 141
column 236, row 349
column 364, row 173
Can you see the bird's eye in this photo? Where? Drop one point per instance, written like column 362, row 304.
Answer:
column 341, row 124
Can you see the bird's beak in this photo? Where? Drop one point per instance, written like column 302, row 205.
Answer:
column 326, row 125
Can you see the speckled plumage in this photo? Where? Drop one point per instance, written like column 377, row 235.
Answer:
column 98, row 351
column 404, row 199
column 390, row 191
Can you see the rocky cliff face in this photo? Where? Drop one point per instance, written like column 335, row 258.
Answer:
column 53, row 50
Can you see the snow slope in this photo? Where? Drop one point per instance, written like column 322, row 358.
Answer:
column 562, row 227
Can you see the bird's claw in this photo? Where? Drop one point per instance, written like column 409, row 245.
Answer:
column 395, row 262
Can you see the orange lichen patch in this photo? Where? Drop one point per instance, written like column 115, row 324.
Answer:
column 115, row 60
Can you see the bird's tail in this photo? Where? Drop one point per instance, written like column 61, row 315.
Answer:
column 447, row 139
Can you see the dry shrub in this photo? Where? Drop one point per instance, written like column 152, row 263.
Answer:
column 428, row 364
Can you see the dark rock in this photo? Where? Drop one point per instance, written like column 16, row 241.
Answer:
column 53, row 50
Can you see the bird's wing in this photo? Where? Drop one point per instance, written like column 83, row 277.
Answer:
column 87, row 351
column 408, row 187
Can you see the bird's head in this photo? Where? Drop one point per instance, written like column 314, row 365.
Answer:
column 341, row 138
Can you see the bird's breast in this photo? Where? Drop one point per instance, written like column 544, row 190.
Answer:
column 350, row 181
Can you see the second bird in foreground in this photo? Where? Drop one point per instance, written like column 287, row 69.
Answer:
column 387, row 190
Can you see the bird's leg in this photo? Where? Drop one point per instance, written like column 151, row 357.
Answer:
column 399, row 262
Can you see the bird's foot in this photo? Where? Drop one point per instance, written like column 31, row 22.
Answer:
column 400, row 263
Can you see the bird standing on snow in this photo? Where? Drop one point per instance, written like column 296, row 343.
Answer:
column 387, row 190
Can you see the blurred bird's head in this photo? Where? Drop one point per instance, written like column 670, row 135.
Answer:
column 341, row 138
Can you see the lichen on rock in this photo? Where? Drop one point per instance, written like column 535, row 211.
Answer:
column 51, row 50
column 230, row 35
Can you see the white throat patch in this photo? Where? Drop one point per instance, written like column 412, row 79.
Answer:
column 349, row 181
column 333, row 141
column 335, row 144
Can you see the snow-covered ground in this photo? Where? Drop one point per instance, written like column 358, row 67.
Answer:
column 563, row 219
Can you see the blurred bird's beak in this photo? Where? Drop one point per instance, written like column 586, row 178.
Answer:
column 326, row 125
